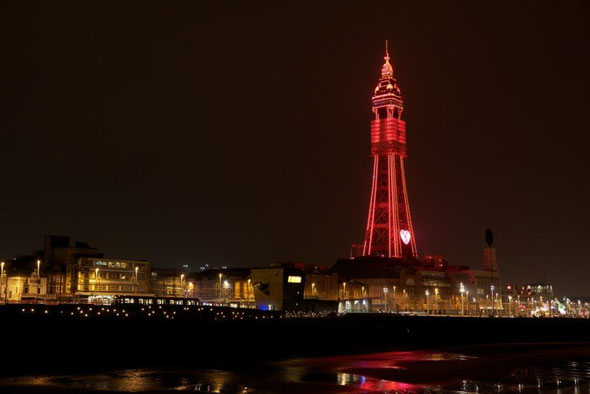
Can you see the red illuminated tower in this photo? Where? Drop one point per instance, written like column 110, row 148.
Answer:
column 389, row 226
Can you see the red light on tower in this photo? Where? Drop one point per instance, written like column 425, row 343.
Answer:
column 389, row 225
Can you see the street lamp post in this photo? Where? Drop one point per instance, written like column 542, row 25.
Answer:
column 248, row 293
column 95, row 281
column 226, row 287
column 404, row 299
column 136, row 280
column 462, row 290
column 182, row 292
column 190, row 290
column 492, row 288
column 509, row 305
column 38, row 281
column 436, row 299
column 220, row 286
column 427, row 302
column 394, row 305
column 2, row 279
column 385, row 291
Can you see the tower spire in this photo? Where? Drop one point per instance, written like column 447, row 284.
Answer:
column 386, row 69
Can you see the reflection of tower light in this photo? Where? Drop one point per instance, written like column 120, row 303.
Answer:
column 389, row 225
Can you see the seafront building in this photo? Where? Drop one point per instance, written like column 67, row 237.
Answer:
column 21, row 280
column 24, row 288
column 58, row 254
column 97, row 279
column 167, row 282
column 232, row 286
column 297, row 287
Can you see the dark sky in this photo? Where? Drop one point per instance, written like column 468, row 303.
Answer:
column 237, row 133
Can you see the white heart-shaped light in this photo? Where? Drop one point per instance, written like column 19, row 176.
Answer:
column 406, row 236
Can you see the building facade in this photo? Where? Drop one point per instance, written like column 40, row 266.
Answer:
column 321, row 286
column 227, row 286
column 277, row 288
column 295, row 287
column 58, row 254
column 22, row 288
column 166, row 282
column 99, row 279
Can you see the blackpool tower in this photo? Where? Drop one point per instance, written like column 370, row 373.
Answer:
column 389, row 225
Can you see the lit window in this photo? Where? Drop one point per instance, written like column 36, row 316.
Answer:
column 294, row 279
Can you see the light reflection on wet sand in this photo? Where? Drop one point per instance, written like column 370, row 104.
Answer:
column 525, row 370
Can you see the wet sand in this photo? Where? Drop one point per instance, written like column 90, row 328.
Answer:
column 477, row 363
column 547, row 367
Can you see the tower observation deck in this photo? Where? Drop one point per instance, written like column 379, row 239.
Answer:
column 389, row 225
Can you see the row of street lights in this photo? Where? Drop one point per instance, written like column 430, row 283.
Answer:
column 462, row 290
column 427, row 293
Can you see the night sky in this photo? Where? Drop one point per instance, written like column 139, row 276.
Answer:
column 237, row 133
